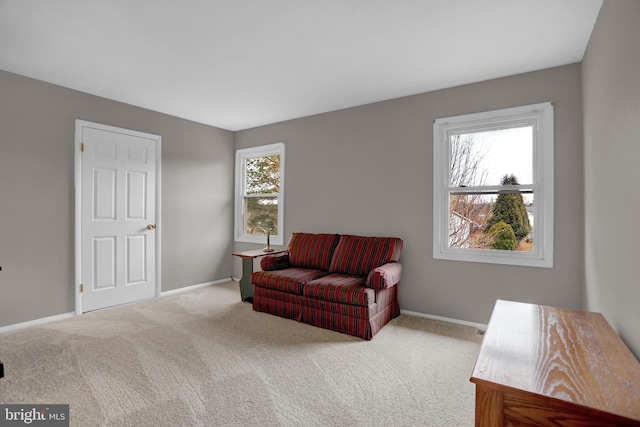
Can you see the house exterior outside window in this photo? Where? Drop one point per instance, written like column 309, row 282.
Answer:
column 259, row 194
column 493, row 186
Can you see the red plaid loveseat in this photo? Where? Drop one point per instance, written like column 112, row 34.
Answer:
column 339, row 282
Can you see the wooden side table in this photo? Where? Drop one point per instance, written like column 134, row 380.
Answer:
column 549, row 366
column 246, row 288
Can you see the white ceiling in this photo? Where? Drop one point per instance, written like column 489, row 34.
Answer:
column 237, row 64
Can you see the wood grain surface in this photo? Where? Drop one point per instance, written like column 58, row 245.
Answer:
column 555, row 366
column 255, row 253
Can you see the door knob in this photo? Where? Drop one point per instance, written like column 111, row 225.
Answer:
column 151, row 227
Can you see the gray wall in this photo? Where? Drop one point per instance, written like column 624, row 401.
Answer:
column 368, row 170
column 611, row 92
column 37, row 124
column 364, row 170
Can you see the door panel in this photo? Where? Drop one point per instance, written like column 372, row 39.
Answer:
column 136, row 259
column 136, row 200
column 104, row 262
column 104, row 194
column 118, row 190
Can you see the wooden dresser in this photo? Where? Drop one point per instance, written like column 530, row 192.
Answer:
column 547, row 366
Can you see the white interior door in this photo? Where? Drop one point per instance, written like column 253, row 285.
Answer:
column 118, row 219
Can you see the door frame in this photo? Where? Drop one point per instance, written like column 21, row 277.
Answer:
column 78, row 199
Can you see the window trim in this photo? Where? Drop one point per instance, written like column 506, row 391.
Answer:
column 240, row 179
column 541, row 115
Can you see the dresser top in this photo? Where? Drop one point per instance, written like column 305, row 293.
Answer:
column 568, row 355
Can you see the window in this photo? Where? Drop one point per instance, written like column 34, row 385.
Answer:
column 493, row 187
column 260, row 194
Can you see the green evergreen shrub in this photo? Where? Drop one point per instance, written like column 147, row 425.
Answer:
column 503, row 237
column 510, row 208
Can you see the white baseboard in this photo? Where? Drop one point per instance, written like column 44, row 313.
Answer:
column 36, row 322
column 50, row 319
column 480, row 326
column 192, row 287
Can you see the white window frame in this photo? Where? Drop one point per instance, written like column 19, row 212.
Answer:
column 541, row 117
column 240, row 180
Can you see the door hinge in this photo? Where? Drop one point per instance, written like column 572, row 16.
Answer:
column 81, row 288
column 82, row 147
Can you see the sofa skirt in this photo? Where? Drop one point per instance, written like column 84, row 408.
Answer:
column 357, row 324
column 276, row 302
column 360, row 321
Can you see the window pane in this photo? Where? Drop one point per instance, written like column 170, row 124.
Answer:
column 486, row 157
column 487, row 166
column 259, row 198
column 501, row 221
column 467, row 217
column 260, row 215
column 263, row 175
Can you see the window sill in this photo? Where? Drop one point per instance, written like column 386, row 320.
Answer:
column 260, row 240
column 495, row 257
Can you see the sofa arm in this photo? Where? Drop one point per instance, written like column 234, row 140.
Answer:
column 384, row 276
column 275, row 262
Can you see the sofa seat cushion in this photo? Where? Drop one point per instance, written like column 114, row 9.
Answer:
column 288, row 280
column 312, row 250
column 342, row 288
column 359, row 255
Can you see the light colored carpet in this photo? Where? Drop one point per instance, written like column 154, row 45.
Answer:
column 203, row 358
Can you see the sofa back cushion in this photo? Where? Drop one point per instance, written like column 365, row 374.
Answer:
column 312, row 250
column 359, row 255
